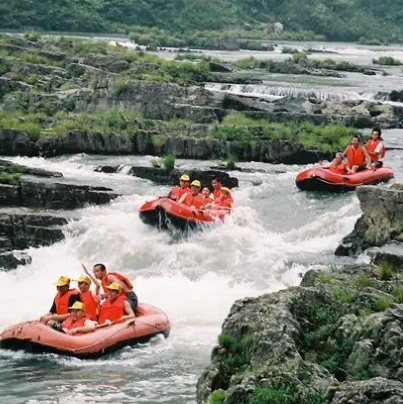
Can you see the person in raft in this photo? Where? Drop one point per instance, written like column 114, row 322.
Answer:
column 357, row 156
column 78, row 322
column 376, row 148
column 65, row 298
column 194, row 199
column 206, row 195
column 90, row 299
column 107, row 278
column 216, row 184
column 115, row 307
column 177, row 192
column 225, row 201
column 338, row 166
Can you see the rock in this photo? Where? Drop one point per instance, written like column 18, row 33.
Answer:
column 9, row 167
column 228, row 43
column 161, row 176
column 382, row 219
column 11, row 260
column 368, row 72
column 334, row 339
column 396, row 96
column 14, row 143
column 219, row 67
column 391, row 252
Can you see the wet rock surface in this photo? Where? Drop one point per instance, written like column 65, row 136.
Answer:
column 381, row 221
column 335, row 339
column 24, row 195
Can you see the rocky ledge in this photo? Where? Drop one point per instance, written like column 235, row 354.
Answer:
column 170, row 177
column 34, row 190
column 381, row 221
column 335, row 339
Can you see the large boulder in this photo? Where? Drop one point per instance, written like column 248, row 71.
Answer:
column 381, row 221
column 315, row 343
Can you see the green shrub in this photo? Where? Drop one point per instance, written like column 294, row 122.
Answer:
column 381, row 304
column 289, row 51
column 272, row 396
column 120, row 87
column 217, row 397
column 168, row 161
column 33, row 36
column 363, row 280
column 387, row 61
column 385, row 271
column 369, row 41
column 397, row 293
column 7, row 178
column 344, row 295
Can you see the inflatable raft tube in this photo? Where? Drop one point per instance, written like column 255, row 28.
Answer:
column 35, row 337
column 321, row 179
column 164, row 213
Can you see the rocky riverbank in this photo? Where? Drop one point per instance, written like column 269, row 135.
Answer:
column 33, row 203
column 381, row 221
column 64, row 95
column 335, row 339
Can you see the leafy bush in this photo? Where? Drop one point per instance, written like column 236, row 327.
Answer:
column 385, row 271
column 33, row 36
column 168, row 161
column 387, row 61
column 217, row 397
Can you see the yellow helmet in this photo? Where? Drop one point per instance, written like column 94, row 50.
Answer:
column 77, row 306
column 115, row 286
column 84, row 279
column 63, row 281
column 196, row 183
column 184, row 177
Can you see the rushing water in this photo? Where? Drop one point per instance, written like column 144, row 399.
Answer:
column 275, row 234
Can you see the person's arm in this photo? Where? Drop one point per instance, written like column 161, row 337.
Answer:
column 345, row 151
column 367, row 157
column 88, row 327
column 182, row 198
column 95, row 280
column 379, row 149
column 128, row 311
column 48, row 316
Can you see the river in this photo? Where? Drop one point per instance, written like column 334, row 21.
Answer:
column 275, row 234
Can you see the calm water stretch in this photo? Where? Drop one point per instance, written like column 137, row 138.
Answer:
column 275, row 234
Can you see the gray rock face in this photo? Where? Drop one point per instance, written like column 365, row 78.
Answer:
column 335, row 339
column 382, row 219
column 37, row 189
column 161, row 176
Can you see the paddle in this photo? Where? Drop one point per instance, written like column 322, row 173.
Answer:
column 97, row 284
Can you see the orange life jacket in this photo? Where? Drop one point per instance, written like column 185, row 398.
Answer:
column 372, row 145
column 91, row 305
column 62, row 302
column 177, row 192
column 69, row 323
column 355, row 157
column 112, row 311
column 207, row 199
column 194, row 200
column 217, row 193
column 338, row 168
column 105, row 283
column 225, row 203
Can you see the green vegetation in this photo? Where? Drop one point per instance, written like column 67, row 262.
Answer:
column 184, row 22
column 265, row 395
column 7, row 178
column 385, row 271
column 217, row 397
column 387, row 61
column 168, row 161
column 232, row 359
column 329, row 138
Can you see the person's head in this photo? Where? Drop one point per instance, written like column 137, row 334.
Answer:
column 99, row 271
column 184, row 181
column 225, row 193
column 216, row 183
column 84, row 283
column 355, row 141
column 338, row 158
column 114, row 290
column 376, row 134
column 63, row 285
column 195, row 187
column 77, row 310
column 206, row 192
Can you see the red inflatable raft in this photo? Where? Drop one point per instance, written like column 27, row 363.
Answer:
column 165, row 213
column 33, row 336
column 319, row 178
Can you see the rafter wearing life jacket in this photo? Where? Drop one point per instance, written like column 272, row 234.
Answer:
column 105, row 283
column 372, row 146
column 62, row 301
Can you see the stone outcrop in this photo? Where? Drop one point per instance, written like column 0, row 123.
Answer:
column 381, row 221
column 35, row 190
column 162, row 176
column 335, row 339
